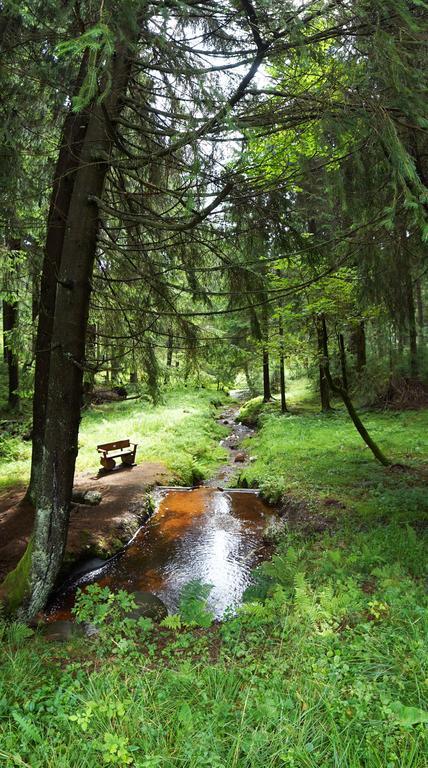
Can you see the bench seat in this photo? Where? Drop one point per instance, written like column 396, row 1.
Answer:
column 123, row 449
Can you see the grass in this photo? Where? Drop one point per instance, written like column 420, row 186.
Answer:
column 326, row 669
column 324, row 666
column 180, row 432
column 317, row 457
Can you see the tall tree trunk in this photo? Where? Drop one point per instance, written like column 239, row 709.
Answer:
column 63, row 184
column 284, row 408
column 342, row 353
column 411, row 322
column 67, row 348
column 323, row 383
column 10, row 322
column 342, row 392
column 267, row 395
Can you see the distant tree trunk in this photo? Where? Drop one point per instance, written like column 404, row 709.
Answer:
column 342, row 392
column 250, row 384
column 10, row 322
column 67, row 345
column 411, row 321
column 284, row 408
column 133, row 377
column 342, row 353
column 360, row 346
column 63, row 184
column 267, row 395
column 323, row 383
column 420, row 311
column 169, row 351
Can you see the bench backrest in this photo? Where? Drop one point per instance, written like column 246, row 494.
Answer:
column 114, row 446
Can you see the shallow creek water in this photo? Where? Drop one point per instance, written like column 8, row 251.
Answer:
column 203, row 533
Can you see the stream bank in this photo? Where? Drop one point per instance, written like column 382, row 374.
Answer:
column 207, row 534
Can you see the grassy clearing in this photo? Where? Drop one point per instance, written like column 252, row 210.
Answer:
column 180, row 432
column 319, row 457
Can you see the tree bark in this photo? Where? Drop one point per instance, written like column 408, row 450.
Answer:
column 323, row 383
column 63, row 184
column 267, row 395
column 342, row 392
column 10, row 321
column 67, row 347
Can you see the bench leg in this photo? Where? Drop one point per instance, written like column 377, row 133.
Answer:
column 128, row 459
column 108, row 464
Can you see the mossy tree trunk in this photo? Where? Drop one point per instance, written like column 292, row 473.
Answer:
column 67, row 347
column 72, row 137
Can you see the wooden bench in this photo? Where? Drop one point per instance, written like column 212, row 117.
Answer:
column 122, row 449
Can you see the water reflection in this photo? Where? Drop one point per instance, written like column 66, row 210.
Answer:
column 204, row 533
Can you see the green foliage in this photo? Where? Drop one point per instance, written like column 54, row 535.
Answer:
column 108, row 611
column 192, row 607
column 98, row 43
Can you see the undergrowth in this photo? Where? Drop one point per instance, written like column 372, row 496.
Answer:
column 324, row 666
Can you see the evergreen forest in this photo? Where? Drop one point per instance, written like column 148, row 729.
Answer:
column 213, row 383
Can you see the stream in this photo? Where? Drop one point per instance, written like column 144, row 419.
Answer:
column 207, row 533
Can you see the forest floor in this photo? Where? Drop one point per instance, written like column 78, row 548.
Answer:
column 324, row 666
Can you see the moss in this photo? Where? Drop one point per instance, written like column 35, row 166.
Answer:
column 15, row 587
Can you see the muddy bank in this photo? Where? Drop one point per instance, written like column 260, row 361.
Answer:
column 94, row 530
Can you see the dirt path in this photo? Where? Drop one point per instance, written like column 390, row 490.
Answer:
column 98, row 529
column 102, row 530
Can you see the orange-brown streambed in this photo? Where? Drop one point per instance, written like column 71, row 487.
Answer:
column 204, row 533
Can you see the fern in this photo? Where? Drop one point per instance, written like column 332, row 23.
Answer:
column 173, row 621
column 28, row 727
column 193, row 610
column 304, row 599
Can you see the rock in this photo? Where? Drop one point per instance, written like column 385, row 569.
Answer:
column 148, row 605
column 240, row 457
column 80, row 569
column 92, row 498
column 225, row 421
column 121, row 391
column 62, row 631
column 253, row 458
